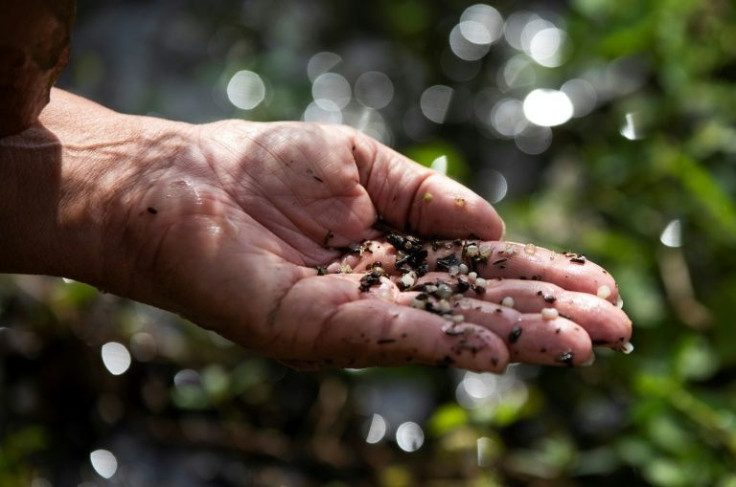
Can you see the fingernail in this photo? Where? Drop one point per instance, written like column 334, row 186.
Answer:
column 590, row 361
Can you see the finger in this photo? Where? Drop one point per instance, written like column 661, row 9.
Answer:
column 500, row 259
column 529, row 262
column 605, row 323
column 410, row 196
column 531, row 338
column 330, row 321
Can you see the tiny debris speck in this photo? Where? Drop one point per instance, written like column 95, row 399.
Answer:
column 515, row 334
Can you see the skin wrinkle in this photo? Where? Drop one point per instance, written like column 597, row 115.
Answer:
column 325, row 327
column 274, row 198
column 370, row 161
column 317, row 238
column 276, row 310
column 292, row 248
column 415, row 204
column 252, row 190
column 350, row 213
column 368, row 180
column 131, row 213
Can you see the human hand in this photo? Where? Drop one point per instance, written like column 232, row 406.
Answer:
column 227, row 223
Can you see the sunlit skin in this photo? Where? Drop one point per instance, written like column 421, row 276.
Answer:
column 227, row 223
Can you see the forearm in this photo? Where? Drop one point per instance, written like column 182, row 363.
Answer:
column 61, row 181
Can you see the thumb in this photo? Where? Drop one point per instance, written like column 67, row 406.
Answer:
column 412, row 197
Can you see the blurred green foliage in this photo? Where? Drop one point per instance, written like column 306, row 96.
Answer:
column 195, row 410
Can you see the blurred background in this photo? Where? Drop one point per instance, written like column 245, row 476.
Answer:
column 602, row 126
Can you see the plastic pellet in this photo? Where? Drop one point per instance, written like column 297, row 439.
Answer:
column 550, row 313
column 408, row 279
column 485, row 250
column 604, row 292
column 444, row 291
column 471, row 250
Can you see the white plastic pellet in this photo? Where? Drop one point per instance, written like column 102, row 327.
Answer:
column 472, row 250
column 509, row 250
column 444, row 291
column 485, row 250
column 550, row 314
column 508, row 301
column 480, row 282
column 408, row 279
column 604, row 292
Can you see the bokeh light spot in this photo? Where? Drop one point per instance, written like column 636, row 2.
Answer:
column 246, row 90
column 321, row 63
column 409, row 436
column 515, row 25
column 507, row 117
column 143, row 346
column 435, row 102
column 517, row 72
column 377, row 429
column 115, row 357
column 631, row 129
column 325, row 112
column 534, row 140
column 187, row 378
column 440, row 164
column 481, row 24
column 672, row 234
column 545, row 47
column 462, row 47
column 582, row 95
column 374, row 89
column 329, row 89
column 547, row 108
column 493, row 185
column 104, row 463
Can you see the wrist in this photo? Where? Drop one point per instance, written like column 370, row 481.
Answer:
column 65, row 183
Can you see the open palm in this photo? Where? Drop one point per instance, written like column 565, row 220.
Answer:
column 230, row 233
